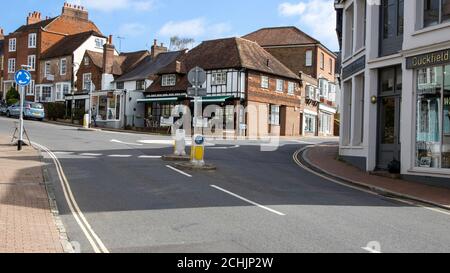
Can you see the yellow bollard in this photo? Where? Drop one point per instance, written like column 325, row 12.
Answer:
column 199, row 153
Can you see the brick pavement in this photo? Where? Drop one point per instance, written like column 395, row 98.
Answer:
column 26, row 222
column 325, row 158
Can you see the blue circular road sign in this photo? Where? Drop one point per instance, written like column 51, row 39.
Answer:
column 22, row 77
column 199, row 140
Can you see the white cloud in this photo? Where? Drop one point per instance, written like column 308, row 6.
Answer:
column 191, row 28
column 131, row 29
column 112, row 5
column 195, row 28
column 317, row 17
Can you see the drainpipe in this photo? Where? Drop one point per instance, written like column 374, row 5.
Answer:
column 125, row 110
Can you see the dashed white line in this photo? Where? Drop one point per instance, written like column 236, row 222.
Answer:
column 120, row 156
column 126, row 143
column 178, row 171
column 89, row 154
column 150, row 157
column 248, row 201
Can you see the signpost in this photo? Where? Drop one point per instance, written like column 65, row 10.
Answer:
column 22, row 79
column 197, row 77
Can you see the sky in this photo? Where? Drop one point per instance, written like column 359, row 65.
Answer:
column 139, row 22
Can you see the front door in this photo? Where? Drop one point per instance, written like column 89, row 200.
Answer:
column 389, row 110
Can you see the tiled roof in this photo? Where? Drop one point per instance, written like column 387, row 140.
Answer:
column 41, row 24
column 69, row 44
column 279, row 36
column 148, row 66
column 227, row 53
column 122, row 63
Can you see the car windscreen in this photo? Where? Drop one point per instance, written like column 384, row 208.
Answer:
column 37, row 106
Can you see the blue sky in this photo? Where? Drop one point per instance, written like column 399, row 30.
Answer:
column 141, row 21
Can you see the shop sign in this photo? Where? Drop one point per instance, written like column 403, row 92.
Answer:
column 429, row 59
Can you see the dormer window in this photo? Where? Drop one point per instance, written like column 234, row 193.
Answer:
column 99, row 43
column 169, row 80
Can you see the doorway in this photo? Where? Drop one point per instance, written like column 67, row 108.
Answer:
column 389, row 111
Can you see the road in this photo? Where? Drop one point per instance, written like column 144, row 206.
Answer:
column 123, row 198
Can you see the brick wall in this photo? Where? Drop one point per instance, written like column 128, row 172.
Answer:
column 96, row 75
column 55, row 70
column 327, row 72
column 294, row 58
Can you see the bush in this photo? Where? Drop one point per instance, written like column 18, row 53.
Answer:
column 55, row 110
column 12, row 96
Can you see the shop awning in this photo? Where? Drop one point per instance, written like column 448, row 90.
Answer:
column 215, row 99
column 158, row 99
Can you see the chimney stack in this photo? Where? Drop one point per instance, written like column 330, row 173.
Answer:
column 156, row 50
column 178, row 66
column 108, row 56
column 2, row 35
column 33, row 18
column 75, row 11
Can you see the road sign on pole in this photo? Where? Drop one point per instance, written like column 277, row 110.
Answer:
column 197, row 77
column 22, row 78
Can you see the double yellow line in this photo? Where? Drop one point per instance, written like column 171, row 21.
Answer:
column 81, row 220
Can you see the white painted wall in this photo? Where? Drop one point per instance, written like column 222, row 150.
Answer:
column 90, row 45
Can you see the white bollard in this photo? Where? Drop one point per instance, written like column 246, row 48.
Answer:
column 86, row 121
column 180, row 143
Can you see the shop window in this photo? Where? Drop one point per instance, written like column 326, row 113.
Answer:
column 433, row 118
column 310, row 123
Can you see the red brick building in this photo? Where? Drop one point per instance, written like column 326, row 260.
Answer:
column 303, row 54
column 255, row 92
column 2, row 65
column 25, row 45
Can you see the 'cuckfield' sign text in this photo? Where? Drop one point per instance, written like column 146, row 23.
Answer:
column 429, row 59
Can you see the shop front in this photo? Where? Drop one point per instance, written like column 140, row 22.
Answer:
column 219, row 113
column 107, row 109
column 431, row 127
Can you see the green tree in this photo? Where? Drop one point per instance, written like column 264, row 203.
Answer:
column 12, row 96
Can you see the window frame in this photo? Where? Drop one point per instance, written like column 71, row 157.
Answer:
column 308, row 58
column 31, row 62
column 291, row 88
column 85, row 83
column 61, row 66
column 168, row 80
column 274, row 116
column 12, row 45
column 142, row 83
column 47, row 68
column 265, row 82
column 219, row 78
column 280, row 86
column 11, row 68
column 32, row 40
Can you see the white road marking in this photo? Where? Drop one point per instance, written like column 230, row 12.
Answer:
column 371, row 250
column 248, row 201
column 170, row 142
column 225, row 148
column 150, row 156
column 178, row 171
column 120, row 156
column 63, row 153
column 360, row 189
column 89, row 154
column 90, row 234
column 126, row 143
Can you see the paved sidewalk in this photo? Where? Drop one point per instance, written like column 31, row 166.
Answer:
column 26, row 222
column 325, row 159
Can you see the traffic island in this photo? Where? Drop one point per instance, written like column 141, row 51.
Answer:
column 176, row 158
column 194, row 167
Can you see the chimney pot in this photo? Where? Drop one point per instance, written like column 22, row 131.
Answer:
column 110, row 40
